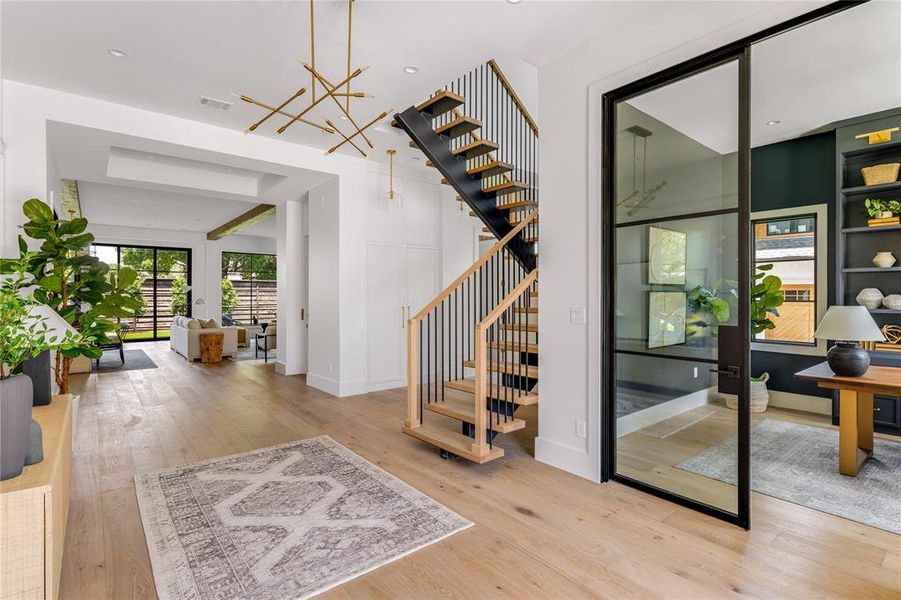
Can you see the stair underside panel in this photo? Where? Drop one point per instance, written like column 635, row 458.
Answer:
column 452, row 441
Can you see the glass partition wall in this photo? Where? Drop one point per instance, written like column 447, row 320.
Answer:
column 677, row 217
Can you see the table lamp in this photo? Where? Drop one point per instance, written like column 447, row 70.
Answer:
column 848, row 325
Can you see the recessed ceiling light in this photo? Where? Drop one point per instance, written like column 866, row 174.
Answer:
column 775, row 122
column 513, row 1
column 116, row 52
column 343, row 118
column 150, row 156
column 411, row 69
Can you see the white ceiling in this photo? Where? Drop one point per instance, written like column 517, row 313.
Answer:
column 124, row 206
column 178, row 51
column 138, row 182
column 840, row 67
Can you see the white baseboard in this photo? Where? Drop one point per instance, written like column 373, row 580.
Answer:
column 567, row 458
column 654, row 414
column 386, row 385
column 353, row 388
column 802, row 402
column 325, row 384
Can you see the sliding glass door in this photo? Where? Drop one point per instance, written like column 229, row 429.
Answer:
column 676, row 196
column 163, row 284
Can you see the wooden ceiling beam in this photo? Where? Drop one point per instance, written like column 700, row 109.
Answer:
column 254, row 215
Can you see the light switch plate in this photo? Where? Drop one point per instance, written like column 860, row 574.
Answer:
column 577, row 315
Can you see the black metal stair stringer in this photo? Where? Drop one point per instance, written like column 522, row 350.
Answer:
column 453, row 168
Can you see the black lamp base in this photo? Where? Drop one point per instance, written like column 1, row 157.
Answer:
column 848, row 359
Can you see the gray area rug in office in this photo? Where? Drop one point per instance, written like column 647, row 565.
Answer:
column 135, row 360
column 799, row 463
column 288, row 521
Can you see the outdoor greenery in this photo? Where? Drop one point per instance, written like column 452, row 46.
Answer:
column 82, row 289
column 178, row 304
column 229, row 296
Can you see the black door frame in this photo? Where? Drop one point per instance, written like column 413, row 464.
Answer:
column 155, row 249
column 737, row 51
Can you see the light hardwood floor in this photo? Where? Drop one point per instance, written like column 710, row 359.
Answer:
column 539, row 532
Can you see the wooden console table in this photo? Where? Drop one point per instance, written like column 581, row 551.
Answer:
column 855, row 444
column 33, row 510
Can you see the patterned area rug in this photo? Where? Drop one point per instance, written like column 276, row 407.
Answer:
column 799, row 463
column 289, row 521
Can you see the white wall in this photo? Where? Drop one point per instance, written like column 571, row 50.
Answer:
column 290, row 264
column 206, row 256
column 569, row 104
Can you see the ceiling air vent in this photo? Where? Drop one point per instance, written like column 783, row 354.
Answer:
column 213, row 103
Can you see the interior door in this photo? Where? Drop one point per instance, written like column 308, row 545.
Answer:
column 678, row 268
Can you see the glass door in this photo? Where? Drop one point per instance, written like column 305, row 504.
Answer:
column 677, row 273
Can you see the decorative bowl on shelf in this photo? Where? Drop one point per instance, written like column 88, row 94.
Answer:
column 884, row 260
column 877, row 174
column 892, row 301
column 870, row 297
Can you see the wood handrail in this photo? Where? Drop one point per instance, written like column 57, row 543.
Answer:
column 507, row 86
column 480, row 396
column 504, row 304
column 498, row 246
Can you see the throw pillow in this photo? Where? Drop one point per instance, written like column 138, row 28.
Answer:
column 210, row 324
column 194, row 324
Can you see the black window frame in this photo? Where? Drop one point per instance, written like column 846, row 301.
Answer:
column 252, row 279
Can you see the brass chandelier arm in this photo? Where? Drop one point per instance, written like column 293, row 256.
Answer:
column 320, row 99
column 250, row 100
column 346, row 139
column 329, row 91
column 272, row 111
column 366, row 126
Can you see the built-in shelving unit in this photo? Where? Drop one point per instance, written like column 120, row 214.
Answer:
column 856, row 244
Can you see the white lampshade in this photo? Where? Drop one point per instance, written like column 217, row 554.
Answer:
column 56, row 325
column 847, row 324
column 199, row 302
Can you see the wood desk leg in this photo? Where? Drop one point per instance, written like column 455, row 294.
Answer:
column 855, row 430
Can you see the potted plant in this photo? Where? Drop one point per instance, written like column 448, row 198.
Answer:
column 79, row 287
column 24, row 334
column 882, row 209
column 708, row 311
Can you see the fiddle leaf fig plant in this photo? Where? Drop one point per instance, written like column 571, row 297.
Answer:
column 81, row 288
column 766, row 297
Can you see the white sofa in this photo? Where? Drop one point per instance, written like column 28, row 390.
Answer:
column 184, row 337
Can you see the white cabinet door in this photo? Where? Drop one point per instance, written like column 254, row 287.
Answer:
column 422, row 214
column 386, row 339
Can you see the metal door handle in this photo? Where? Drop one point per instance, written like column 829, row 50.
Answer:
column 731, row 371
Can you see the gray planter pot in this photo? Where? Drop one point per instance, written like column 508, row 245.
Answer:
column 16, row 396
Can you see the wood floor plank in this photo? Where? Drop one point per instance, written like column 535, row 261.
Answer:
column 539, row 532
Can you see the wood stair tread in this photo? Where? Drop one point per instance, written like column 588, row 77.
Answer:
column 440, row 103
column 530, row 371
column 529, row 327
column 458, row 408
column 514, row 347
column 498, row 392
column 528, row 238
column 526, row 309
column 516, row 204
column 452, row 441
column 494, row 167
column 506, row 187
column 459, row 126
column 475, row 149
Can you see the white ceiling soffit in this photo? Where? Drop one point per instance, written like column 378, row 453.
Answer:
column 161, row 169
column 126, row 206
column 86, row 154
column 836, row 68
column 178, row 51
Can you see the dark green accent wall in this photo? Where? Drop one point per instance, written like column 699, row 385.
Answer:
column 797, row 172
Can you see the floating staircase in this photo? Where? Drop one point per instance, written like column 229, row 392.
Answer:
column 473, row 350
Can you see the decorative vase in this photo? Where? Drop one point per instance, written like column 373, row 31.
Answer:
column 16, row 396
column 892, row 301
column 884, row 260
column 870, row 297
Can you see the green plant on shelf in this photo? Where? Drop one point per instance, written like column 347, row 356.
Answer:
column 876, row 207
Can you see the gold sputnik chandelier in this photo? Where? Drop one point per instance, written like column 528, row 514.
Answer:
column 340, row 93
